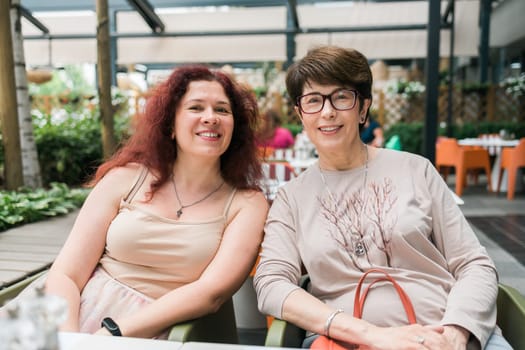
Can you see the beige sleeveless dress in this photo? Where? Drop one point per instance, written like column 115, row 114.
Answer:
column 145, row 257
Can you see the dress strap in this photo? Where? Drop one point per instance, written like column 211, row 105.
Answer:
column 139, row 180
column 229, row 203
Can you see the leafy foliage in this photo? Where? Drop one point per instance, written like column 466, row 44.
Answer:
column 28, row 205
column 407, row 89
column 411, row 134
column 68, row 148
column 515, row 86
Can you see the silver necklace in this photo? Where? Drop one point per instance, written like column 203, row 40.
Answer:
column 182, row 206
column 358, row 247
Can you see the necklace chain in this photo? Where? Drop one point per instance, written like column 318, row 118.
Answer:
column 359, row 247
column 182, row 206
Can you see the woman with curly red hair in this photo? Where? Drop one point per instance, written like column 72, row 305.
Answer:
column 158, row 240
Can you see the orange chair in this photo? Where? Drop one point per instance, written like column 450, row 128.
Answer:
column 265, row 152
column 449, row 154
column 511, row 160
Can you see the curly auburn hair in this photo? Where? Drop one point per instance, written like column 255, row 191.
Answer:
column 152, row 145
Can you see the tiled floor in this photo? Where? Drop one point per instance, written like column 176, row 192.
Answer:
column 507, row 231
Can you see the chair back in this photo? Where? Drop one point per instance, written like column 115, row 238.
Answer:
column 394, row 142
column 281, row 171
column 519, row 153
column 283, row 154
column 447, row 151
column 219, row 327
column 512, row 159
column 265, row 152
column 511, row 315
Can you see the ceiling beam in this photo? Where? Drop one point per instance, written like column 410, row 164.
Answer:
column 242, row 32
column 292, row 10
column 146, row 10
column 448, row 12
column 34, row 21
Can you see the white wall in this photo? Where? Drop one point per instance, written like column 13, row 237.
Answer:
column 507, row 23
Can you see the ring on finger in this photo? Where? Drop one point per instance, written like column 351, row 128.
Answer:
column 420, row 340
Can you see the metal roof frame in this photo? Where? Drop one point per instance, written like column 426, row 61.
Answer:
column 146, row 9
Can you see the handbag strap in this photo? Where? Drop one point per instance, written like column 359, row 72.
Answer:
column 360, row 300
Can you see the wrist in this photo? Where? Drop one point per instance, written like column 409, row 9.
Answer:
column 459, row 332
column 329, row 320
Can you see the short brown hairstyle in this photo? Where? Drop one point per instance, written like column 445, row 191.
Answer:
column 331, row 65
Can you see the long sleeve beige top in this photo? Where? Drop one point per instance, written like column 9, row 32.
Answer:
column 408, row 223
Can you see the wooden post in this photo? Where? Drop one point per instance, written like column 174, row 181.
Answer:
column 14, row 177
column 28, row 150
column 104, row 79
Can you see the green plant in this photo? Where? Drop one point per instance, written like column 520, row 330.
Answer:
column 410, row 135
column 515, row 86
column 470, row 87
column 407, row 89
column 294, row 128
column 29, row 205
column 69, row 146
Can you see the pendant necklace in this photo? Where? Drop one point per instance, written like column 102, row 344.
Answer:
column 358, row 246
column 182, row 206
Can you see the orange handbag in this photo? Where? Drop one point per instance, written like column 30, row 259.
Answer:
column 325, row 343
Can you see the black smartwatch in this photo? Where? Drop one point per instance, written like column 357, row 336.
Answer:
column 111, row 326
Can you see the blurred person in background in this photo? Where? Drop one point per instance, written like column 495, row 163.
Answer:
column 372, row 133
column 272, row 134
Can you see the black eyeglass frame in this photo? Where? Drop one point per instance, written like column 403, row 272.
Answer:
column 329, row 97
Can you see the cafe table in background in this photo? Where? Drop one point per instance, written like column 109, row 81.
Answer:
column 494, row 145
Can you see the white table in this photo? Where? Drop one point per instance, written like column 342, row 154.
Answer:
column 216, row 346
column 494, row 146
column 84, row 341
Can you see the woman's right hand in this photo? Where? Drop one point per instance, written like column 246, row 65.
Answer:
column 406, row 338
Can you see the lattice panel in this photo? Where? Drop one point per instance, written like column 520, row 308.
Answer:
column 508, row 107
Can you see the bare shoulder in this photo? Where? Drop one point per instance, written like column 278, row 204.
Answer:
column 250, row 201
column 252, row 197
column 119, row 179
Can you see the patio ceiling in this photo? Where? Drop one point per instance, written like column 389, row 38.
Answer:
column 238, row 30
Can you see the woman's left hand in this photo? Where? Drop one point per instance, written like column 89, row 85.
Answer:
column 457, row 336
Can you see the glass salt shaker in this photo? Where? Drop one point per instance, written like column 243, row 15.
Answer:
column 46, row 312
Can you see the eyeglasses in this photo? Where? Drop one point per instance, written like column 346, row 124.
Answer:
column 341, row 100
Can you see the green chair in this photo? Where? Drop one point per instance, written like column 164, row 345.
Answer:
column 511, row 320
column 511, row 315
column 394, row 142
column 13, row 290
column 219, row 327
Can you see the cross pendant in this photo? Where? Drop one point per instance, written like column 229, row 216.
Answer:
column 179, row 213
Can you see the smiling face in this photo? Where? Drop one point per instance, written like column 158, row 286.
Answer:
column 330, row 130
column 204, row 120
